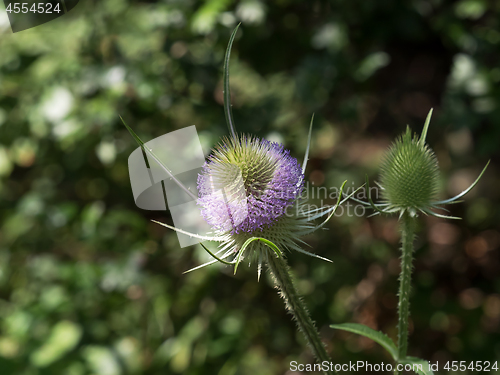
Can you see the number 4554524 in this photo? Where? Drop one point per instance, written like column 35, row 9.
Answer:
column 478, row 366
column 35, row 8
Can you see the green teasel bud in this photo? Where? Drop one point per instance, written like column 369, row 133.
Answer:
column 409, row 178
column 409, row 174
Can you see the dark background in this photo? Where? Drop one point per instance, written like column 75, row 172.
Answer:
column 89, row 285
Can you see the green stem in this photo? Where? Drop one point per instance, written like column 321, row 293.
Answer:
column 294, row 303
column 407, row 236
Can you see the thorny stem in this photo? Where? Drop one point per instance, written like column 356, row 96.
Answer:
column 295, row 305
column 407, row 236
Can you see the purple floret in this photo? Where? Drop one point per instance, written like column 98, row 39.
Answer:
column 245, row 209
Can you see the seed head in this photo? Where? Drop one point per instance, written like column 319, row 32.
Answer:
column 409, row 174
column 409, row 178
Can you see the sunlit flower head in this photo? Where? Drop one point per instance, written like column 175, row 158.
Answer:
column 260, row 180
column 249, row 192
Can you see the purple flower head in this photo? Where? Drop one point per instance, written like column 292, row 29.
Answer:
column 245, row 189
column 247, row 184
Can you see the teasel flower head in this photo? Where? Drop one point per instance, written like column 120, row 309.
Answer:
column 409, row 174
column 409, row 178
column 249, row 192
column 260, row 181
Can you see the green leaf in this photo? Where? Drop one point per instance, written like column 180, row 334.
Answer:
column 268, row 243
column 386, row 342
column 306, row 156
column 417, row 361
column 215, row 256
column 378, row 337
column 227, row 92
column 370, row 196
column 451, row 200
column 421, row 141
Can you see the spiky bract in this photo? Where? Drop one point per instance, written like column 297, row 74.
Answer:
column 247, row 184
column 409, row 175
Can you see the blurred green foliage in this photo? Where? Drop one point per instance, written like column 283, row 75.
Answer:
column 88, row 285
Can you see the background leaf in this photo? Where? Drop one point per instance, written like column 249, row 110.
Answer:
column 377, row 336
column 417, row 361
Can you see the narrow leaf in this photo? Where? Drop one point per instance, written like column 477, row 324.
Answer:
column 330, row 211
column 135, row 136
column 421, row 141
column 195, row 235
column 422, row 367
column 215, row 256
column 208, row 263
column 227, row 91
column 163, row 166
column 268, row 243
column 466, row 190
column 378, row 337
column 272, row 246
column 370, row 196
column 297, row 248
column 435, row 214
column 306, row 156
